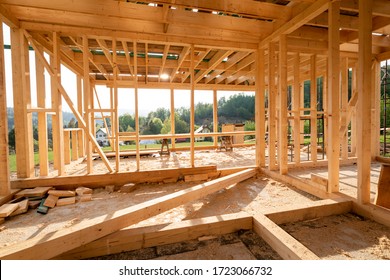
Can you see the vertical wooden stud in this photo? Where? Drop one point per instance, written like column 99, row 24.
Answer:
column 192, row 107
column 296, row 108
column 260, row 109
column 116, row 127
column 215, row 116
column 136, row 106
column 333, row 151
column 313, row 108
column 22, row 101
column 375, row 109
column 173, row 130
column 67, row 146
column 344, row 106
column 42, row 118
column 87, row 103
column 283, row 125
column 74, row 144
column 271, row 108
column 364, row 102
column 4, row 158
column 80, row 143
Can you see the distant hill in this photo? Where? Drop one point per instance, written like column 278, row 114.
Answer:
column 67, row 116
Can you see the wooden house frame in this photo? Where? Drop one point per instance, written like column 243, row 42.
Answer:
column 247, row 45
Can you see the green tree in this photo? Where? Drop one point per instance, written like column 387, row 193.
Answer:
column 125, row 121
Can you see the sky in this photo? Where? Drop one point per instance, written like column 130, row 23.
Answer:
column 148, row 99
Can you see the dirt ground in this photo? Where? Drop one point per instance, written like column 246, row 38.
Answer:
column 253, row 196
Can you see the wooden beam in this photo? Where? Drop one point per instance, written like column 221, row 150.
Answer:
column 136, row 117
column 260, row 118
column 87, row 102
column 7, row 17
column 192, row 107
column 42, row 118
column 296, row 104
column 364, row 102
column 22, row 101
column 82, row 233
column 4, row 154
column 271, row 108
column 309, row 211
column 333, row 95
column 313, row 108
column 121, row 178
column 315, row 9
column 215, row 116
column 283, row 122
column 66, row 146
column 128, row 239
column 56, row 99
column 283, row 243
column 375, row 108
column 344, row 121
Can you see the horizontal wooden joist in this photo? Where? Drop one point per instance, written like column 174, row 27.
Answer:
column 99, row 180
column 224, row 43
column 56, row 243
column 194, row 26
column 129, row 239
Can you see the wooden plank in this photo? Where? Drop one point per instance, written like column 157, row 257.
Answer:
column 22, row 208
column 215, row 115
column 309, row 211
column 86, row 231
column 260, row 117
column 74, row 145
column 7, row 209
column 364, row 102
column 62, row 193
column 374, row 212
column 6, row 198
column 42, row 118
column 383, row 193
column 333, row 95
column 80, row 142
column 283, row 243
column 22, row 101
column 66, row 146
column 313, row 107
column 87, row 103
column 99, row 180
column 83, row 190
column 192, row 107
column 50, row 201
column 66, row 201
column 295, row 106
column 344, row 122
column 137, row 238
column 283, row 123
column 319, row 179
column 136, row 113
column 271, row 107
column 57, row 119
column 38, row 191
column 5, row 186
column 195, row 178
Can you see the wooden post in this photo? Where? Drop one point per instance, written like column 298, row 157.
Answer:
column 87, row 103
column 57, row 120
column 66, row 146
column 215, row 116
column 22, row 101
column 260, row 109
column 333, row 151
column 138, row 157
column 283, row 125
column 116, row 127
column 375, row 109
column 80, row 108
column 271, row 108
column 364, row 102
column 344, row 106
column 192, row 107
column 80, row 142
column 5, row 188
column 325, row 104
column 42, row 118
column 313, row 108
column 173, row 116
column 297, row 113
column 74, row 144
